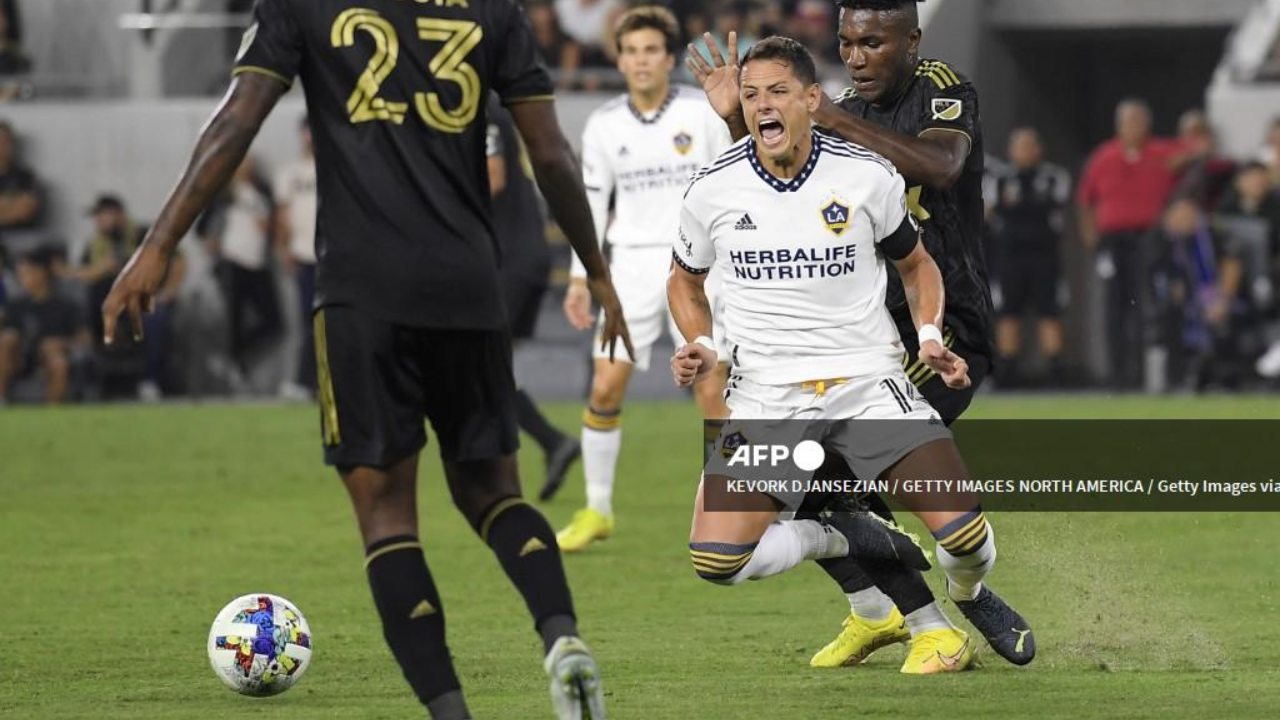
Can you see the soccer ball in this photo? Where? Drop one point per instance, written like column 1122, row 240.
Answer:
column 260, row 645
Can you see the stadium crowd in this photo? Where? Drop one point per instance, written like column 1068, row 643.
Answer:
column 1182, row 243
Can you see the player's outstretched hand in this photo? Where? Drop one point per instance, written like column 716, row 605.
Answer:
column 718, row 78
column 134, row 290
column 951, row 367
column 615, row 326
column 577, row 304
column 691, row 362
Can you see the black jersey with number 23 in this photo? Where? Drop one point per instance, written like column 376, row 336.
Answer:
column 937, row 99
column 396, row 96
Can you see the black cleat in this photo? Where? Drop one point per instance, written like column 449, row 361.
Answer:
column 1005, row 630
column 559, row 461
column 875, row 539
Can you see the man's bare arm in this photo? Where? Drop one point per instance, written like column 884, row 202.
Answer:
column 922, row 281
column 560, row 180
column 687, row 298
column 222, row 145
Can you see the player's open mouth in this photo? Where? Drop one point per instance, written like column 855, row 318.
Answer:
column 771, row 131
column 863, row 84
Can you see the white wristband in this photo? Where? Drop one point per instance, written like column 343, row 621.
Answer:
column 929, row 332
column 705, row 342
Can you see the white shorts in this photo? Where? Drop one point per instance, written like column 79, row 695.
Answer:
column 787, row 414
column 640, row 279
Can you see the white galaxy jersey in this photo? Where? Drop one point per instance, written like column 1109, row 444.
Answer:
column 803, row 280
column 644, row 163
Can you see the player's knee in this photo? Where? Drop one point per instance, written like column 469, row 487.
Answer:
column 607, row 392
column 721, row 563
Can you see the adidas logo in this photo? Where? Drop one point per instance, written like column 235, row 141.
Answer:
column 423, row 609
column 745, row 223
column 534, row 545
column 624, row 151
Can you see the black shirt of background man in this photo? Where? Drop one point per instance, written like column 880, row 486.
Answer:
column 396, row 96
column 19, row 180
column 517, row 213
column 939, row 99
column 36, row 320
column 1028, row 207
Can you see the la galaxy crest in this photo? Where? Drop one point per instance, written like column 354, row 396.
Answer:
column 836, row 215
column 731, row 444
column 683, row 142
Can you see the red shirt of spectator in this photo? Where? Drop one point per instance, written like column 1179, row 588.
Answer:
column 1127, row 188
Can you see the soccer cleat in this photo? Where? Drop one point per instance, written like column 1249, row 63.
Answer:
column 586, row 527
column 860, row 638
column 939, row 651
column 576, row 692
column 1009, row 635
column 873, row 538
column 559, row 460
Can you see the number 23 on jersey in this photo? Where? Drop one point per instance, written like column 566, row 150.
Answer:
column 460, row 37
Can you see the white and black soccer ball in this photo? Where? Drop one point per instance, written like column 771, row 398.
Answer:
column 260, row 645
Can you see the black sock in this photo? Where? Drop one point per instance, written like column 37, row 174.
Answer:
column 412, row 616
column 526, row 547
column 904, row 586
column 531, row 421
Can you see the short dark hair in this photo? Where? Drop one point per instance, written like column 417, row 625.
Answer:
column 1252, row 166
column 876, row 4
column 789, row 53
column 651, row 17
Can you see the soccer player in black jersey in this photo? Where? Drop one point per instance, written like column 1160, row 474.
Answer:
column 409, row 314
column 923, row 117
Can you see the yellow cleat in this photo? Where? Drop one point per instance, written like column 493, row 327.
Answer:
column 860, row 638
column 586, row 527
column 939, row 651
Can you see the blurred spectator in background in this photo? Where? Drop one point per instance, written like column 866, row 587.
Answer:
column 1251, row 214
column 12, row 60
column 241, row 241
column 13, row 31
column 1196, row 290
column 586, row 25
column 115, row 237
column 42, row 331
column 1269, row 155
column 1203, row 173
column 20, row 199
column 813, row 24
column 546, row 32
column 1028, row 201
column 1123, row 190
column 295, row 189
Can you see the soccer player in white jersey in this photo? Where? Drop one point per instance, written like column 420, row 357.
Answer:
column 640, row 150
column 811, row 338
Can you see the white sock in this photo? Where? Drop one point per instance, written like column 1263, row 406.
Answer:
column 929, row 617
column 599, row 464
column 785, row 545
column 965, row 572
column 870, row 604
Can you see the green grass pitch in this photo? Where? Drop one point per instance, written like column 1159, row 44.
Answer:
column 123, row 530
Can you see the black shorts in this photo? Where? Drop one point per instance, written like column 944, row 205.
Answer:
column 1029, row 280
column 524, row 302
column 378, row 380
column 949, row 403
